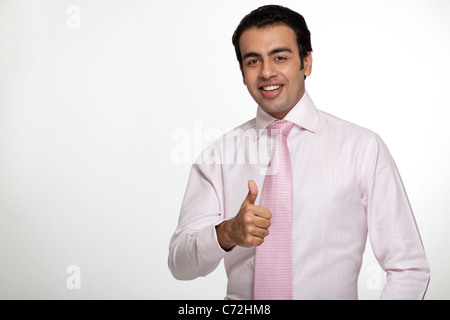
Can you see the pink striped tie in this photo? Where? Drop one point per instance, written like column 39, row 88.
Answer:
column 273, row 259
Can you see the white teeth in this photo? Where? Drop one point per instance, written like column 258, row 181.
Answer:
column 271, row 88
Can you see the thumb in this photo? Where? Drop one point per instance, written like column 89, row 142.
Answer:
column 252, row 193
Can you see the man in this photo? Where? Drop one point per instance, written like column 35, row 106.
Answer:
column 294, row 224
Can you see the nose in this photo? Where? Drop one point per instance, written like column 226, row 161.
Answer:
column 267, row 71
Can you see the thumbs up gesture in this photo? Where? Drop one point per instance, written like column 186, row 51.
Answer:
column 249, row 227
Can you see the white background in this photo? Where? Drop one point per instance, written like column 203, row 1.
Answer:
column 97, row 98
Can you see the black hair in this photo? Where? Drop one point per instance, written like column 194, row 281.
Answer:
column 271, row 15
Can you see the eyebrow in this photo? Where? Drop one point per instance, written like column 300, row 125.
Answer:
column 274, row 51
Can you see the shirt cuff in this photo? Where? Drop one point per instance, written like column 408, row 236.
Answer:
column 208, row 244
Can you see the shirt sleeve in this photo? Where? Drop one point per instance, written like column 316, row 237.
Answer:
column 393, row 232
column 194, row 250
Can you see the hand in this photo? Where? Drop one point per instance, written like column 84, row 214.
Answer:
column 249, row 227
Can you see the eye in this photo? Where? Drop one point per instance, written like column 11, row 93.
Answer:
column 280, row 58
column 252, row 62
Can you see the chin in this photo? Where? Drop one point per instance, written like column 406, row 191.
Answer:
column 274, row 108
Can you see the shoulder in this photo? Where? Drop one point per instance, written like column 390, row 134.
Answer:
column 335, row 124
column 363, row 141
column 247, row 129
column 346, row 131
column 246, row 126
column 214, row 152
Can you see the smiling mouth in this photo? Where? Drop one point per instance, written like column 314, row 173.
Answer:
column 271, row 91
column 271, row 88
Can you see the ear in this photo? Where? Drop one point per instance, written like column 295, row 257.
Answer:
column 243, row 75
column 307, row 64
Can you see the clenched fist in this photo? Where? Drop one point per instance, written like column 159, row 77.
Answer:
column 249, row 227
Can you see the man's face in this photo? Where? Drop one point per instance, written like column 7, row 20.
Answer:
column 271, row 68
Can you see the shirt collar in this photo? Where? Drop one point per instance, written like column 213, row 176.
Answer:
column 304, row 114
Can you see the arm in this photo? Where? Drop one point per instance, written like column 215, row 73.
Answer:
column 392, row 229
column 202, row 239
column 194, row 250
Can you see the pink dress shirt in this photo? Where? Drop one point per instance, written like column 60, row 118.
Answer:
column 345, row 186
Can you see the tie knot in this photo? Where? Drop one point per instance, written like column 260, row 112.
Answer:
column 283, row 126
